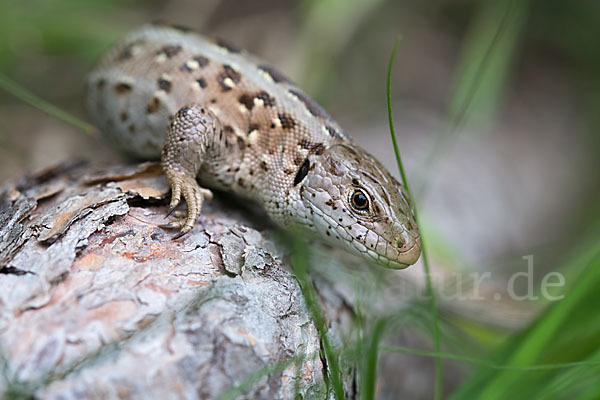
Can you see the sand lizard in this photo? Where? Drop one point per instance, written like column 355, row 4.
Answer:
column 215, row 113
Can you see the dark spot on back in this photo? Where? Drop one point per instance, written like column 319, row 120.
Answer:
column 201, row 82
column 264, row 166
column 213, row 101
column 252, row 127
column 225, row 44
column 228, row 72
column 132, row 128
column 241, row 143
column 127, row 52
column 170, row 50
column 202, row 61
column 100, row 84
column 124, row 116
column 241, row 182
column 333, row 132
column 276, row 75
column 297, row 160
column 287, row 171
column 164, row 84
column 264, row 96
column 228, row 128
column 153, row 105
column 318, row 149
column 247, row 101
column 312, row 106
column 305, row 143
column 287, row 121
column 123, row 88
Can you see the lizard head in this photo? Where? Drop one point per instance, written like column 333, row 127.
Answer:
column 355, row 203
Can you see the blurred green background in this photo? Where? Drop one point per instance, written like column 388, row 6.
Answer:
column 497, row 110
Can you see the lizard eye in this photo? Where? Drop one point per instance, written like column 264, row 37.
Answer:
column 359, row 200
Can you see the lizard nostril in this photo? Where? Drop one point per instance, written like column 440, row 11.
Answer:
column 404, row 240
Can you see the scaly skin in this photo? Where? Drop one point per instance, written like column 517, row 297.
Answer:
column 239, row 125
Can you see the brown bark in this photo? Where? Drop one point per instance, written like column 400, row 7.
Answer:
column 96, row 301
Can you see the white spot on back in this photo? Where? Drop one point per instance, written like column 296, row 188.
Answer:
column 266, row 75
column 228, row 82
column 192, row 64
column 253, row 136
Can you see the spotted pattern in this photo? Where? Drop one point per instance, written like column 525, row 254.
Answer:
column 228, row 78
column 275, row 75
column 250, row 100
column 153, row 105
column 202, row 61
column 201, row 82
column 228, row 46
column 287, row 121
column 265, row 139
column 169, row 51
column 164, row 83
column 123, row 88
column 310, row 104
column 129, row 51
column 247, row 100
column 333, row 132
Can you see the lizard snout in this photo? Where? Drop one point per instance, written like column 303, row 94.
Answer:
column 409, row 248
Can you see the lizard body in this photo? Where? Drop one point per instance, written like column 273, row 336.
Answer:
column 214, row 112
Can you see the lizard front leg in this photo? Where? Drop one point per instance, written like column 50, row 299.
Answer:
column 188, row 137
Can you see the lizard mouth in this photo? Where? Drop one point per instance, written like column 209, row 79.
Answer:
column 411, row 256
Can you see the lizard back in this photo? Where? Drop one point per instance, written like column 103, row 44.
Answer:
column 237, row 124
column 155, row 70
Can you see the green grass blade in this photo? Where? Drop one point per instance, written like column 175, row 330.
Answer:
column 486, row 364
column 369, row 373
column 568, row 331
column 26, row 96
column 234, row 391
column 300, row 266
column 484, row 67
column 429, row 285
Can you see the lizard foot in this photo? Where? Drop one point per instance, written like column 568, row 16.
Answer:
column 194, row 195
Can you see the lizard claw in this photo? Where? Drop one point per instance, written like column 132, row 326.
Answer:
column 170, row 211
column 175, row 195
column 185, row 185
column 171, row 225
column 180, row 233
